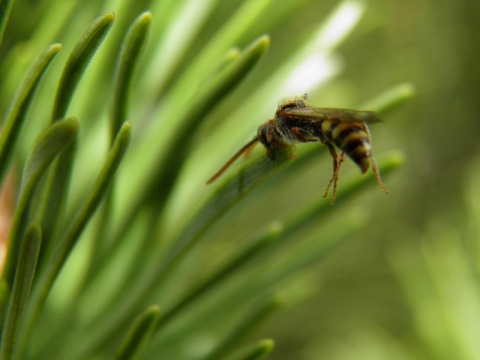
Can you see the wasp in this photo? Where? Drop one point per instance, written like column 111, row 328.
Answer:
column 297, row 122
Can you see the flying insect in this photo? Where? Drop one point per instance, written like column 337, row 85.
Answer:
column 297, row 122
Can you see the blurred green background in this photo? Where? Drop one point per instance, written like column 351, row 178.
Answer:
column 435, row 45
column 404, row 283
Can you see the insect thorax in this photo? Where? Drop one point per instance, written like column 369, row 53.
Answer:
column 289, row 128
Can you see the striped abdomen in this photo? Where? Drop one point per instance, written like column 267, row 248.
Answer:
column 351, row 138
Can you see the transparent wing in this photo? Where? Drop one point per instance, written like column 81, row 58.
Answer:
column 344, row 115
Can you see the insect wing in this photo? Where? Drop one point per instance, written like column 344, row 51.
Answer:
column 344, row 115
column 309, row 113
column 348, row 116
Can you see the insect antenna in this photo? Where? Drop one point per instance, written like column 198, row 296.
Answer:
column 245, row 149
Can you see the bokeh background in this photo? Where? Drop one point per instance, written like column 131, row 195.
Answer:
column 404, row 283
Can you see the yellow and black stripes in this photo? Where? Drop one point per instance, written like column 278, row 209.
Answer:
column 296, row 122
column 352, row 139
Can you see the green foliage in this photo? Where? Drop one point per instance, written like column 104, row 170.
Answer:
column 4, row 14
column 78, row 61
column 138, row 334
column 128, row 254
column 16, row 115
column 27, row 263
column 49, row 144
column 256, row 351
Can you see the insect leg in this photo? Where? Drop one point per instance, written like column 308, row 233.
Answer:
column 375, row 170
column 302, row 135
column 337, row 162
